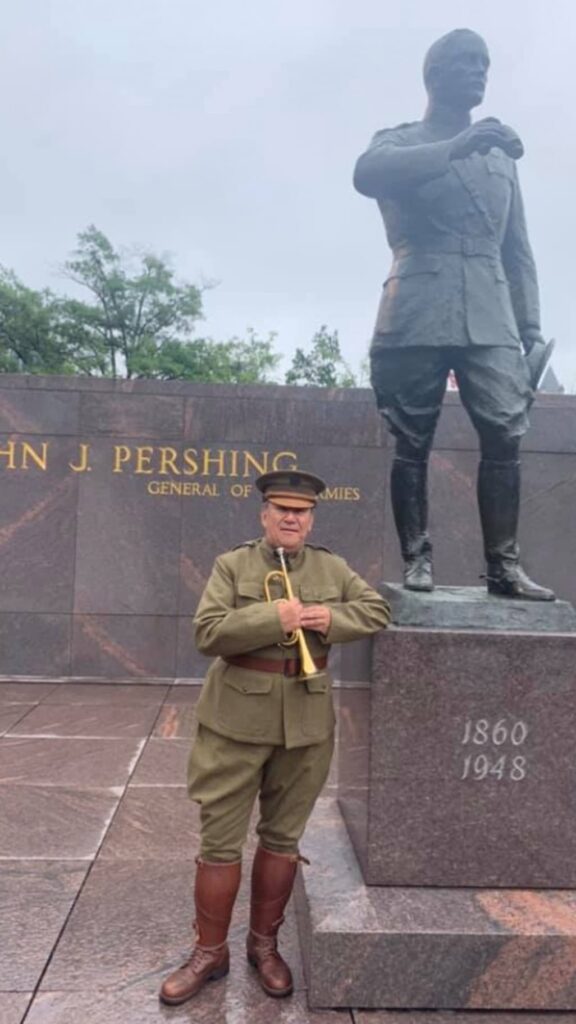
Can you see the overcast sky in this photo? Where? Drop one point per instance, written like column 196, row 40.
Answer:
column 224, row 132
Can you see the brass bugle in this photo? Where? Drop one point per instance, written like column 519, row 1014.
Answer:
column 308, row 665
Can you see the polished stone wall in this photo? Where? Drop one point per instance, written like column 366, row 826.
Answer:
column 116, row 497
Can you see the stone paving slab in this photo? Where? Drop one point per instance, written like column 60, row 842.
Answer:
column 67, row 762
column 459, row 1017
column 13, row 1006
column 163, row 763
column 154, row 823
column 36, row 897
column 87, row 720
column 53, row 822
column 107, row 693
column 132, row 925
column 219, row 1003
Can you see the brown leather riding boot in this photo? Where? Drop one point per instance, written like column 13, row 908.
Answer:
column 214, row 895
column 272, row 880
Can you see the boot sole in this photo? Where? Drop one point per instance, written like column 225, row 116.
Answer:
column 216, row 976
column 274, row 992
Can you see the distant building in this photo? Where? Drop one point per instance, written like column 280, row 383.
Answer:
column 550, row 383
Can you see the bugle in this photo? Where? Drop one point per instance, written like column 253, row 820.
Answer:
column 307, row 663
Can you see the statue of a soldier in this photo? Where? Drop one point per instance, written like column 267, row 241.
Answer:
column 462, row 295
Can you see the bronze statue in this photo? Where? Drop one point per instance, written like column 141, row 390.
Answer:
column 462, row 295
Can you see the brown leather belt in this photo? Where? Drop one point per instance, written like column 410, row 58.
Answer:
column 289, row 667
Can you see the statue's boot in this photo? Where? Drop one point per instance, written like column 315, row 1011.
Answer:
column 273, row 877
column 408, row 488
column 215, row 893
column 499, row 505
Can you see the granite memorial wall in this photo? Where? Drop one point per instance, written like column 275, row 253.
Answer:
column 117, row 496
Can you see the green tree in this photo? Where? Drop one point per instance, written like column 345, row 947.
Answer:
column 30, row 337
column 138, row 323
column 136, row 306
column 323, row 365
column 237, row 361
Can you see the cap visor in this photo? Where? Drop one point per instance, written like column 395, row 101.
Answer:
column 290, row 500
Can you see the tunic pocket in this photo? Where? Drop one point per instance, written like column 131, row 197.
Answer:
column 248, row 592
column 245, row 701
column 410, row 293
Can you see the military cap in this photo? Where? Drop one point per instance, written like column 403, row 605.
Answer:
column 293, row 488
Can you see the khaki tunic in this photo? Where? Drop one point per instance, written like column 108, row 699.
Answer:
column 234, row 618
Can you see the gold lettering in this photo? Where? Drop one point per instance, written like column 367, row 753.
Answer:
column 219, row 460
column 9, row 452
column 240, row 490
column 167, row 459
column 190, row 461
column 293, row 463
column 83, row 467
column 122, row 454
column 341, row 494
column 144, row 455
column 28, row 450
column 233, row 463
column 249, row 460
column 152, row 486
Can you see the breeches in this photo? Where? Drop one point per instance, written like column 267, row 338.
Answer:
column 225, row 776
column 410, row 383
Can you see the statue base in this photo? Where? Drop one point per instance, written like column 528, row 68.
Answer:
column 445, row 876
column 475, row 608
column 425, row 948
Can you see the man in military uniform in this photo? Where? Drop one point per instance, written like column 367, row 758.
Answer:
column 461, row 295
column 265, row 728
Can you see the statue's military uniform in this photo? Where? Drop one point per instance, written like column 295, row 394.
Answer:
column 255, row 709
column 462, row 287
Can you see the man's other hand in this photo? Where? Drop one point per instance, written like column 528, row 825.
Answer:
column 317, row 617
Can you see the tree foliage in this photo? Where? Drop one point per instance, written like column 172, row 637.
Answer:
column 138, row 320
column 136, row 305
column 323, row 365
column 30, row 338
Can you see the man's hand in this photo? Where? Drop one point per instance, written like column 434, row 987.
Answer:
column 290, row 613
column 484, row 135
column 317, row 617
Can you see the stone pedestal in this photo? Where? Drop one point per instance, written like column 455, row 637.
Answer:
column 425, row 948
column 450, row 888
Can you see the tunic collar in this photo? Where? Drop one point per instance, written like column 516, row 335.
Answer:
column 293, row 561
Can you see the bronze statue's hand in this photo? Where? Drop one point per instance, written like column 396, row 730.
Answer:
column 485, row 135
column 290, row 613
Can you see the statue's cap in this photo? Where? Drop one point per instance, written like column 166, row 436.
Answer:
column 447, row 45
column 293, row 488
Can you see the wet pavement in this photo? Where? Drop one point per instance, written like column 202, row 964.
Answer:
column 97, row 847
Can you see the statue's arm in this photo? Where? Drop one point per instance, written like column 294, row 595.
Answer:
column 520, row 268
column 390, row 162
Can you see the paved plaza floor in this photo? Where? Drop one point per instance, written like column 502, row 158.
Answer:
column 97, row 847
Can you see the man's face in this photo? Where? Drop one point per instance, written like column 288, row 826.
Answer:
column 286, row 527
column 460, row 80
